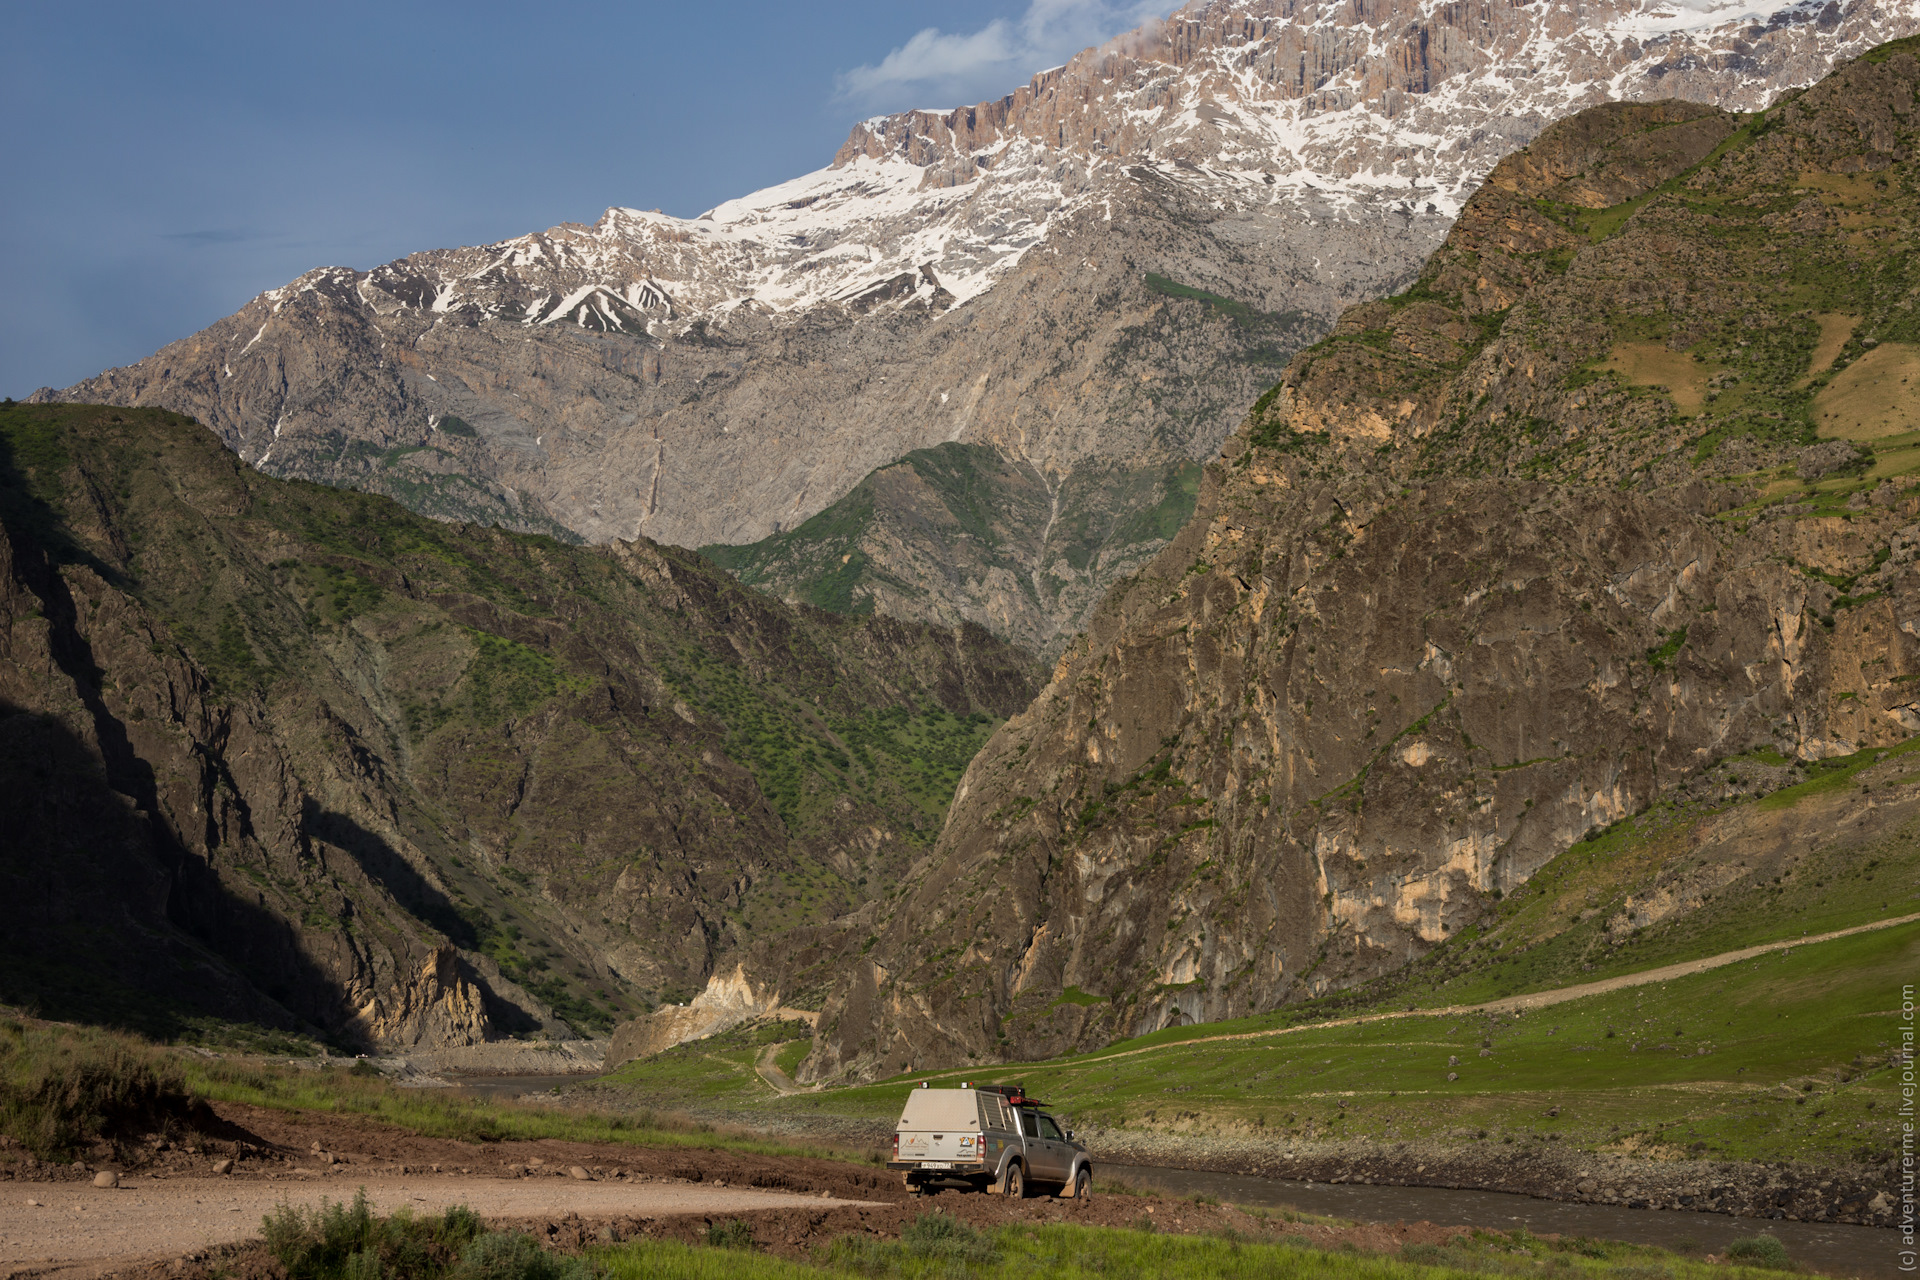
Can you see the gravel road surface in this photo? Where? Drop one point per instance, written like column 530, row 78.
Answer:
column 154, row 1218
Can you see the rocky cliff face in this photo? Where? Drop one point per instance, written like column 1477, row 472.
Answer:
column 1087, row 280
column 293, row 756
column 1621, row 488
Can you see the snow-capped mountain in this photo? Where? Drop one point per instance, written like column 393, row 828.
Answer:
column 1092, row 277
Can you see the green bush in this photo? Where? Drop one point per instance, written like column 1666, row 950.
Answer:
column 315, row 1243
column 345, row 1241
column 938, row 1235
column 1759, row 1251
column 515, row 1255
column 731, row 1234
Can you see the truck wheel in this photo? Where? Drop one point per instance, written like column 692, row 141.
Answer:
column 1015, row 1187
column 1083, row 1184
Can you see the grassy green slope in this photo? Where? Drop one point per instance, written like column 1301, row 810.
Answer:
column 1784, row 1057
column 1570, row 923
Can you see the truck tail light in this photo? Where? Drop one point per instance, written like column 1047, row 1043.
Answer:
column 896, row 1146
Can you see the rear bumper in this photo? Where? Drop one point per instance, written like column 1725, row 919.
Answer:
column 945, row 1168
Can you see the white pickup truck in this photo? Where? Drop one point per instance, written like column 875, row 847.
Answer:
column 989, row 1137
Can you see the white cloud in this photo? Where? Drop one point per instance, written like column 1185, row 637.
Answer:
column 951, row 69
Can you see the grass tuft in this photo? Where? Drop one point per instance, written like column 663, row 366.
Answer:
column 731, row 1234
column 1760, row 1251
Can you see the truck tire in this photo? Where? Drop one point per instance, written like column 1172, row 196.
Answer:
column 1015, row 1187
column 1083, row 1184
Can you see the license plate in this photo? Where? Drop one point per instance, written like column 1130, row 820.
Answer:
column 936, row 1164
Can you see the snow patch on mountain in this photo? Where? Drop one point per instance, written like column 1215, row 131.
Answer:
column 1282, row 109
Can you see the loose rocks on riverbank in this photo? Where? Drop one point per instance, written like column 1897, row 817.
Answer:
column 1785, row 1190
column 1777, row 1190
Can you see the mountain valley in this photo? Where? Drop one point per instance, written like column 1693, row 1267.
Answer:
column 1463, row 484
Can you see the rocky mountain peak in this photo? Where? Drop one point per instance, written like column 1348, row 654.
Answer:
column 1402, row 94
column 1086, row 282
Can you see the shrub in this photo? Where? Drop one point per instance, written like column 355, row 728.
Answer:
column 938, row 1235
column 315, row 1243
column 1759, row 1251
column 731, row 1234
column 459, row 1225
column 345, row 1241
column 515, row 1255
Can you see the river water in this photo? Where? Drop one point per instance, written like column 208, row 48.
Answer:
column 1829, row 1247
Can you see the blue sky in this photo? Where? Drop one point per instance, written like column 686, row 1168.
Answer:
column 166, row 161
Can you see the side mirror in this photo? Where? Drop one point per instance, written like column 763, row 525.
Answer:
column 1069, row 1135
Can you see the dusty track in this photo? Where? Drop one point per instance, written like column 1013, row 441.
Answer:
column 174, row 1205
column 154, row 1219
column 769, row 1071
column 176, row 1220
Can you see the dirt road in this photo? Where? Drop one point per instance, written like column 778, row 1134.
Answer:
column 1666, row 973
column 770, row 1071
column 176, row 1219
column 159, row 1218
